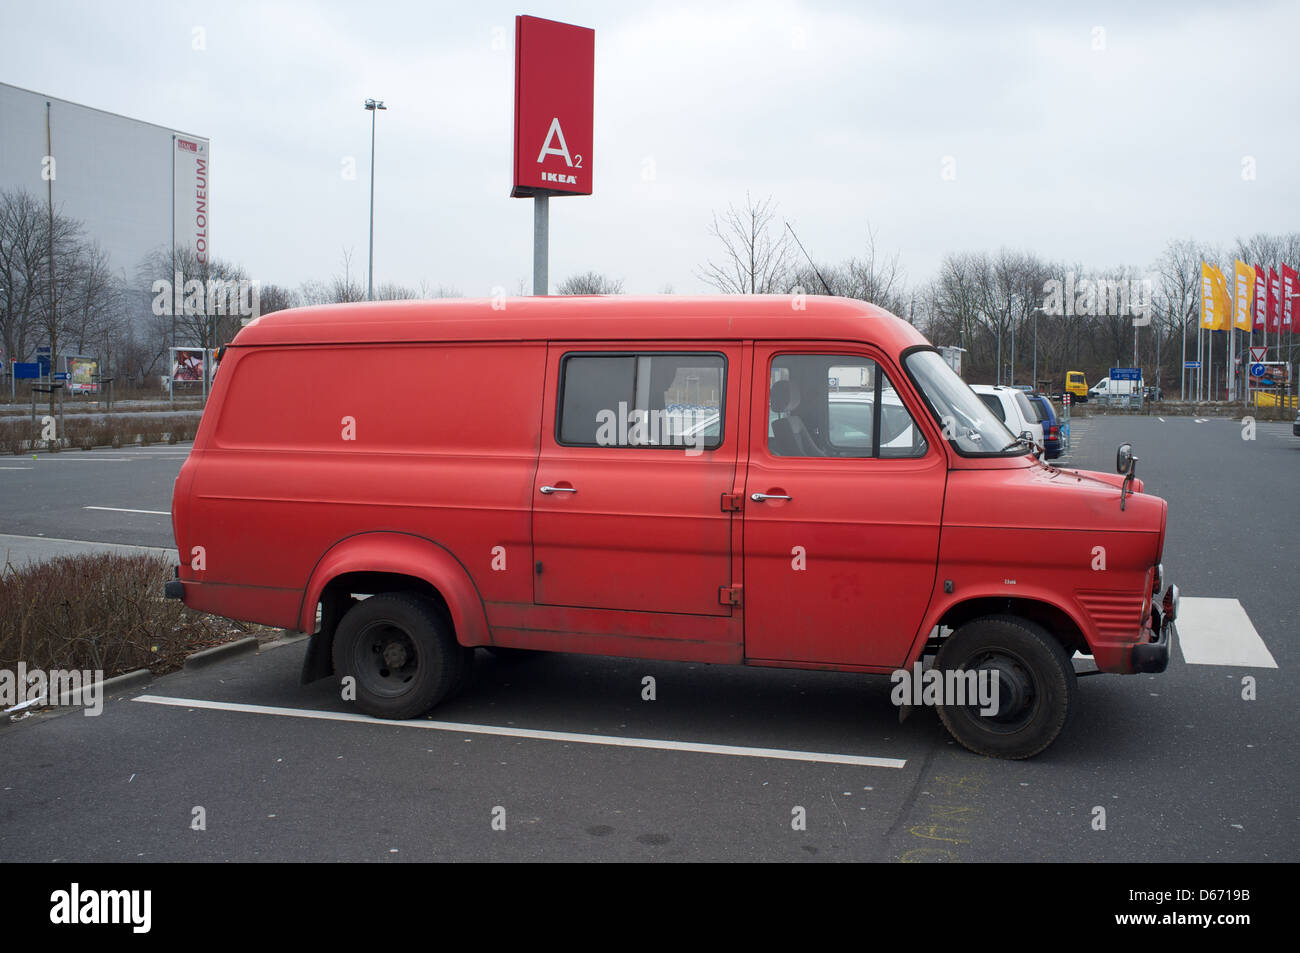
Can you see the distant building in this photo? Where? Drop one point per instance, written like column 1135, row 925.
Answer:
column 135, row 186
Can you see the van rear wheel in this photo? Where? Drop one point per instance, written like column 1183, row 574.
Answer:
column 1035, row 685
column 402, row 653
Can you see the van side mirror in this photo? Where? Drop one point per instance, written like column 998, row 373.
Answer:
column 1126, row 464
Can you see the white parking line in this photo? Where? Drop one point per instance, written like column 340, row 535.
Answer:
column 119, row 509
column 1218, row 632
column 610, row 740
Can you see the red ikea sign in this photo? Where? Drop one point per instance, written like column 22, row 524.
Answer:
column 554, row 88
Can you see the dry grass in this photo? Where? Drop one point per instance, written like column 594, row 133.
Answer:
column 104, row 612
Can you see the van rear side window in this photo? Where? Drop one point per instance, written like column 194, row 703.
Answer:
column 641, row 400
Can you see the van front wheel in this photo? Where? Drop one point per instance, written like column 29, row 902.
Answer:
column 401, row 653
column 1035, row 686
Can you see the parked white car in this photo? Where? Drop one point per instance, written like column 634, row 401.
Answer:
column 1012, row 407
column 1106, row 387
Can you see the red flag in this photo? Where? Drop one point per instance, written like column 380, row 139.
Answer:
column 1288, row 289
column 1274, row 292
column 1261, row 298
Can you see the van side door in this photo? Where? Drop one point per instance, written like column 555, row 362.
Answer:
column 638, row 451
column 843, row 503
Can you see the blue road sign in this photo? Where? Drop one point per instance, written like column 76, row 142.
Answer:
column 1126, row 373
column 24, row 372
column 61, row 376
column 1257, row 370
column 1191, row 365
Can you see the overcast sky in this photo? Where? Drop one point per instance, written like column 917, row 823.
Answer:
column 842, row 112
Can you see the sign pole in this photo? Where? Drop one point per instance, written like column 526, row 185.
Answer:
column 541, row 236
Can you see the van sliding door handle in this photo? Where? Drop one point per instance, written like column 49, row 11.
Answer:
column 548, row 490
column 760, row 497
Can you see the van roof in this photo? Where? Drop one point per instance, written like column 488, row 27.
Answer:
column 595, row 317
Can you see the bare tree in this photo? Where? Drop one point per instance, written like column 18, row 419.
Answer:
column 22, row 259
column 1176, row 299
column 339, row 289
column 273, row 298
column 754, row 260
column 392, row 291
column 428, row 291
column 203, row 298
column 590, row 283
column 873, row 278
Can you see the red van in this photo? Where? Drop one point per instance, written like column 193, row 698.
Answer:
column 763, row 480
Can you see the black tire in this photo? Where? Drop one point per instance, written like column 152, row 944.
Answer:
column 402, row 652
column 1036, row 686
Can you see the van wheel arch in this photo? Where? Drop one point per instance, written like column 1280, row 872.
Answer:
column 1058, row 623
column 338, row 597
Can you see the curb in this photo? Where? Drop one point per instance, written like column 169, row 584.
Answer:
column 219, row 653
column 116, row 683
column 129, row 680
column 283, row 640
column 103, row 689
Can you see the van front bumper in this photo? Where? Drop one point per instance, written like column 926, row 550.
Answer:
column 1153, row 656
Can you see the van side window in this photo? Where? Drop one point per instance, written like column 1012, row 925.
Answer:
column 827, row 405
column 642, row 400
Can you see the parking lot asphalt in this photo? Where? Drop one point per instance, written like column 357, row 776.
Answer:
column 1171, row 767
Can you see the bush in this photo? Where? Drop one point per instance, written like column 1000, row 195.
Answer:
column 104, row 612
column 111, row 431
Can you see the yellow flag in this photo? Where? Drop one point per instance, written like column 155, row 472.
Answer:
column 1222, row 302
column 1208, row 302
column 1245, row 284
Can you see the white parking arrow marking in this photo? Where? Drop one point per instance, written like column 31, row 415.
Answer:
column 1218, row 632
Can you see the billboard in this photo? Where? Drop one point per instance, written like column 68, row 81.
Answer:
column 190, row 209
column 82, row 374
column 554, row 89
column 187, row 365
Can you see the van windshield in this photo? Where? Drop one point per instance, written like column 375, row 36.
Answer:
column 965, row 419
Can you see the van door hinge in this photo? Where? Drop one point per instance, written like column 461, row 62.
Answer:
column 729, row 595
column 732, row 502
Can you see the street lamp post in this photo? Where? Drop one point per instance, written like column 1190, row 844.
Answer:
column 1034, row 382
column 373, row 107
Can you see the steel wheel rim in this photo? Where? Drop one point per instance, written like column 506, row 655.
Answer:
column 1020, row 693
column 385, row 659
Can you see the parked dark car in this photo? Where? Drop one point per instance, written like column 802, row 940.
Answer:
column 1051, row 425
column 1295, row 426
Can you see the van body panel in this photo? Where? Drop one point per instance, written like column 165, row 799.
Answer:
column 655, row 635
column 1051, row 536
column 671, row 318
column 841, row 573
column 288, row 464
column 634, row 528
